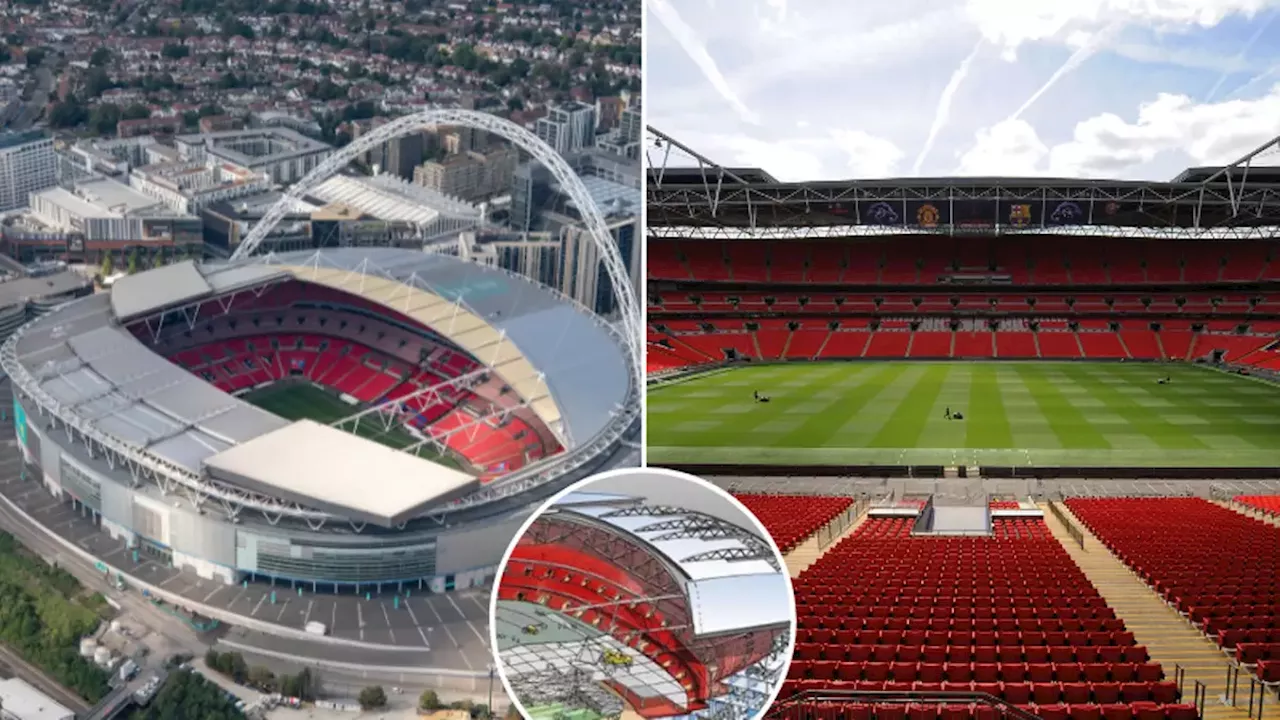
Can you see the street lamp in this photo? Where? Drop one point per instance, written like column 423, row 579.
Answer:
column 493, row 669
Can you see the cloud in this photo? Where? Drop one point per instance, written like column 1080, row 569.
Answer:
column 1082, row 54
column 837, row 155
column 1240, row 56
column 1011, row 25
column 943, row 111
column 1108, row 146
column 1010, row 147
column 692, row 46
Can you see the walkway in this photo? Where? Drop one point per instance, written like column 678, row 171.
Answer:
column 808, row 552
column 1169, row 637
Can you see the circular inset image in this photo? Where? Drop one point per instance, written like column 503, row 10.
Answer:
column 642, row 592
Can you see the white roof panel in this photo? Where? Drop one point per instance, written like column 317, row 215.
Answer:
column 330, row 469
column 717, row 605
column 146, row 292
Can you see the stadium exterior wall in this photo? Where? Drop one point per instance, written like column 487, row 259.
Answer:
column 215, row 547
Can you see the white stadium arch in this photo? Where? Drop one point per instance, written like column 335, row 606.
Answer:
column 629, row 306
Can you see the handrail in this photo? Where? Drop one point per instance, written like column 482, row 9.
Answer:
column 779, row 711
column 1076, row 533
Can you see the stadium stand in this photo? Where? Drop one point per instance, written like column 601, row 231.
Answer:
column 1268, row 504
column 298, row 332
column 1218, row 567
column 792, row 519
column 1009, row 615
column 935, row 298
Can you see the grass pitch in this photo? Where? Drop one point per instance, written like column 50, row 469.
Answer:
column 1016, row 414
column 300, row 401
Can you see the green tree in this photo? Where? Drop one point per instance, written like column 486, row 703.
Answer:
column 68, row 113
column 136, row 111
column 108, row 267
column 35, row 56
column 100, row 57
column 133, row 270
column 262, row 678
column 104, row 118
column 373, row 698
column 157, row 259
column 429, row 700
column 97, row 82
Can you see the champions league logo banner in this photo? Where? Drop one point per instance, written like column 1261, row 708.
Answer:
column 1066, row 212
column 882, row 213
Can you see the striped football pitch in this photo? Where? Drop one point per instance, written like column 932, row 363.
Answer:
column 1015, row 414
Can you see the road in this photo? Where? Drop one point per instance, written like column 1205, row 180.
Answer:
column 27, row 113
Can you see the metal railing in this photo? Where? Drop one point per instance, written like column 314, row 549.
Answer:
column 1258, row 690
column 828, row 533
column 1076, row 533
column 800, row 706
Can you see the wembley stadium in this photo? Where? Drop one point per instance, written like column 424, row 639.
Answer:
column 338, row 419
column 1015, row 435
column 615, row 605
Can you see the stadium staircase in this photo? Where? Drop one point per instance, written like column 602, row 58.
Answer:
column 812, row 549
column 1169, row 638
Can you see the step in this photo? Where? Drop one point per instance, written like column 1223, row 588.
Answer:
column 809, row 552
column 1170, row 638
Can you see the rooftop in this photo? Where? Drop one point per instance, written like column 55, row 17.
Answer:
column 23, row 701
column 13, row 139
column 21, row 289
column 336, row 471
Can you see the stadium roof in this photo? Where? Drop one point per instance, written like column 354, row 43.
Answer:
column 701, row 198
column 181, row 283
column 530, row 336
column 113, row 381
column 336, row 471
column 719, row 568
column 83, row 358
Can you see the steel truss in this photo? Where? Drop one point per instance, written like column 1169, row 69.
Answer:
column 691, row 524
column 632, row 317
column 716, row 204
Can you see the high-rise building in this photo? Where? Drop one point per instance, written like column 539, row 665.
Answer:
column 539, row 204
column 568, row 128
column 27, row 165
column 624, row 140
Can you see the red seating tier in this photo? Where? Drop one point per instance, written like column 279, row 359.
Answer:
column 791, row 519
column 1220, row 568
column 1009, row 615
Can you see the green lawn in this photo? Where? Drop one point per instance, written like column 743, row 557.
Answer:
column 300, row 401
column 1016, row 413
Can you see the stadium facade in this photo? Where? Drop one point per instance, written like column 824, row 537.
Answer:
column 129, row 405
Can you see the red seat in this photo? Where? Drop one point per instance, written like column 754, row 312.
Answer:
column 1084, row 711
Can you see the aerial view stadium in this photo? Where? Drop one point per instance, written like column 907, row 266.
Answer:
column 667, row 604
column 325, row 442
column 1015, row 436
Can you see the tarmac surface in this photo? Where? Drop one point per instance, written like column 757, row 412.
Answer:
column 447, row 631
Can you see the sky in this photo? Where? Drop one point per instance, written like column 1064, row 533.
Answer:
column 846, row 89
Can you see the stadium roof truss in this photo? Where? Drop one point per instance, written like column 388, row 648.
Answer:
column 666, row 587
column 706, row 201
